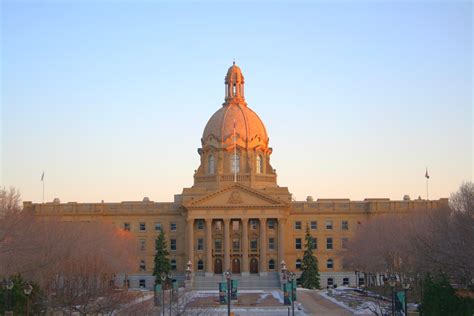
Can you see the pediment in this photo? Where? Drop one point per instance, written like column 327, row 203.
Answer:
column 236, row 196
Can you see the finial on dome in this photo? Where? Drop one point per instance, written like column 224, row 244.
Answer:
column 233, row 62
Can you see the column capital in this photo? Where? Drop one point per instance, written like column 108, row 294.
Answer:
column 188, row 220
column 226, row 220
column 244, row 220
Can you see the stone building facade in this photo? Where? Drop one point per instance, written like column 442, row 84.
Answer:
column 236, row 217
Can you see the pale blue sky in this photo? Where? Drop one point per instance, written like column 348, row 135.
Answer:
column 110, row 98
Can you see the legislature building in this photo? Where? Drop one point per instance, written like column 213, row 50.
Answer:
column 236, row 216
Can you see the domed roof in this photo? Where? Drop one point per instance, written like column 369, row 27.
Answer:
column 248, row 126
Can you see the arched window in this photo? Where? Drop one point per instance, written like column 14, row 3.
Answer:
column 200, row 265
column 271, row 264
column 211, row 167
column 298, row 264
column 234, row 90
column 330, row 264
column 173, row 265
column 235, row 163
column 259, row 164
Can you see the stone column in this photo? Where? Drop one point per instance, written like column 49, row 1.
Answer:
column 245, row 246
column 226, row 244
column 209, row 271
column 190, row 236
column 263, row 246
column 281, row 240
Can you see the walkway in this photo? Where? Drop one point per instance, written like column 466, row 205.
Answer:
column 315, row 304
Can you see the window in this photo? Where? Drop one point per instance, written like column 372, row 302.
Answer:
column 235, row 225
column 235, row 163
column 200, row 224
column 361, row 281
column 173, row 244
column 298, row 243
column 259, row 164
column 142, row 244
column 345, row 281
column 298, row 264
column 218, row 245
column 328, row 224
column 142, row 227
column 297, row 225
column 271, row 264
column 271, row 243
column 330, row 281
column 200, row 244
column 173, row 227
column 142, row 284
column 235, row 244
column 173, row 264
column 330, row 264
column 314, row 225
column 345, row 242
column 126, row 226
column 271, row 224
column 253, row 244
column 200, row 265
column 329, row 243
column 345, row 225
column 218, row 225
column 142, row 265
column 211, row 165
column 253, row 224
column 315, row 242
column 158, row 227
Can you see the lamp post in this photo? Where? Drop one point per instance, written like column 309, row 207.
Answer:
column 406, row 287
column 283, row 270
column 228, row 276
column 292, row 278
column 8, row 285
column 392, row 282
column 163, row 276
column 27, row 290
column 170, row 278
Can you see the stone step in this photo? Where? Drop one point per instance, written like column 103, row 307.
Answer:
column 246, row 282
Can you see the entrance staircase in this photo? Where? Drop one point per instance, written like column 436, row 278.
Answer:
column 271, row 281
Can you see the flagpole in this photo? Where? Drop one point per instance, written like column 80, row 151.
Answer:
column 43, row 191
column 427, row 198
column 235, row 156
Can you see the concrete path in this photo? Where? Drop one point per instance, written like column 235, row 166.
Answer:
column 315, row 304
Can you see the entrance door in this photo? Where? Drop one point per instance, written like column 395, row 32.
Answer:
column 236, row 266
column 253, row 265
column 218, row 266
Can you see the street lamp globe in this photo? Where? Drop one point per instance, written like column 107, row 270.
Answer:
column 406, row 285
column 163, row 276
column 9, row 284
column 228, row 274
column 392, row 281
column 28, row 289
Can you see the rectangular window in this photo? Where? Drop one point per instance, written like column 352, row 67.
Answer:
column 253, row 244
column 142, row 227
column 158, row 227
column 142, row 284
column 126, row 226
column 253, row 224
column 173, row 244
column 142, row 244
column 235, row 245
column 330, row 281
column 271, row 243
column 361, row 281
column 200, row 244
column 345, row 281
column 298, row 243
column 345, row 242
column 200, row 224
column 271, row 224
column 328, row 224
column 142, row 265
column 314, row 225
column 218, row 225
column 235, row 225
column 345, row 225
column 297, row 225
column 329, row 243
column 315, row 242
column 218, row 245
column 173, row 227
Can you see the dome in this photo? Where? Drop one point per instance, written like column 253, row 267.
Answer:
column 248, row 126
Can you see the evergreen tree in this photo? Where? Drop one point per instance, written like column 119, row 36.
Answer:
column 162, row 262
column 310, row 275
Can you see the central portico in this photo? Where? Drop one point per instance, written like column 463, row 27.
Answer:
column 235, row 211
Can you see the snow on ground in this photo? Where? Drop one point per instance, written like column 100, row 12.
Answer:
column 360, row 303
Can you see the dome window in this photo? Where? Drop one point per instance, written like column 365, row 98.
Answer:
column 211, row 167
column 235, row 163
column 259, row 164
